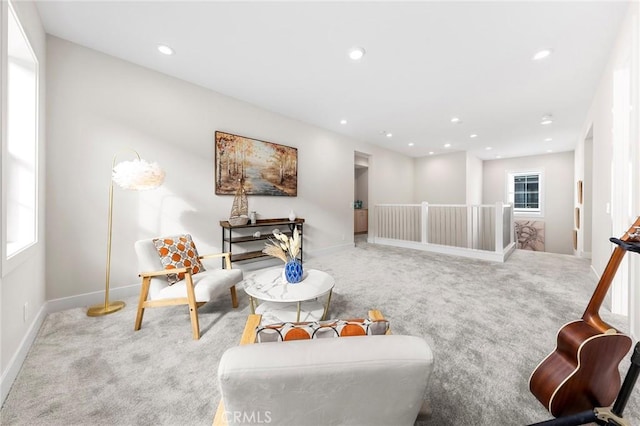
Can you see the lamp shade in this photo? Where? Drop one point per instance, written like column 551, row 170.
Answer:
column 138, row 175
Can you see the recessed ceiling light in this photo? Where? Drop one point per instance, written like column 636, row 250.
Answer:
column 447, row 145
column 488, row 148
column 455, row 120
column 356, row 53
column 549, row 150
column 343, row 121
column 431, row 152
column 548, row 139
column 165, row 50
column 546, row 119
column 541, row 54
column 473, row 136
column 389, row 135
column 411, row 144
column 498, row 156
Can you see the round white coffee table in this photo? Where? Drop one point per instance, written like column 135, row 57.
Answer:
column 282, row 301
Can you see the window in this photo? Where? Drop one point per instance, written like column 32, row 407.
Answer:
column 525, row 192
column 20, row 161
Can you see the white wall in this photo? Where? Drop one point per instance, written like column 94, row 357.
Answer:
column 558, row 193
column 390, row 176
column 626, row 50
column 441, row 179
column 601, row 118
column 390, row 179
column 22, row 278
column 587, row 200
column 474, row 179
column 99, row 105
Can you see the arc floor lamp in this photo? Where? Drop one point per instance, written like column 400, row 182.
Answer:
column 137, row 175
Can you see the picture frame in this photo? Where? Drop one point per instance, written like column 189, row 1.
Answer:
column 263, row 168
column 577, row 217
column 579, row 192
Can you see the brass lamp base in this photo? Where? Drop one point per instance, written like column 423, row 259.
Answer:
column 101, row 309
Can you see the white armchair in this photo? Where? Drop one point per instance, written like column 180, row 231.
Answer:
column 358, row 380
column 194, row 289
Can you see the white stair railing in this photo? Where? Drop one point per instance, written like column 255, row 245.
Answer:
column 479, row 231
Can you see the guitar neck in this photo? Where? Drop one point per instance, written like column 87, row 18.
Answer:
column 591, row 314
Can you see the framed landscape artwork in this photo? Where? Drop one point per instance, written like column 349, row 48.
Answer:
column 265, row 168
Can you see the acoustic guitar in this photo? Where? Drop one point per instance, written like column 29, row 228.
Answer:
column 582, row 372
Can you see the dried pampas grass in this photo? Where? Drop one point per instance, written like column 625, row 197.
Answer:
column 275, row 251
column 284, row 247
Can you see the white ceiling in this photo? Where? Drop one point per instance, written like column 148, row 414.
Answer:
column 425, row 63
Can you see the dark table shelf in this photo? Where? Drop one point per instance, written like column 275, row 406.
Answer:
column 228, row 238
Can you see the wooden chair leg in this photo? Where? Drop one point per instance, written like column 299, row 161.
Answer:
column 376, row 315
column 220, row 419
column 234, row 297
column 193, row 308
column 144, row 292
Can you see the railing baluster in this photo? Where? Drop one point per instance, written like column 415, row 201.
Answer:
column 468, row 227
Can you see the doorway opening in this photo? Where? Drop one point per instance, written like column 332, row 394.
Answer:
column 587, row 197
column 361, row 197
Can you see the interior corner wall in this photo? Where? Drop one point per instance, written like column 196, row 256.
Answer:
column 22, row 288
column 390, row 177
column 441, row 179
column 626, row 49
column 99, row 106
column 558, row 193
column 579, row 173
column 390, row 180
column 474, row 180
column 600, row 118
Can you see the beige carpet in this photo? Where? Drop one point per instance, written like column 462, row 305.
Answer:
column 489, row 324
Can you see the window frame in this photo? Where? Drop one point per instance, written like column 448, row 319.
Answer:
column 510, row 192
column 27, row 249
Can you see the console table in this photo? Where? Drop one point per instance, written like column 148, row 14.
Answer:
column 243, row 235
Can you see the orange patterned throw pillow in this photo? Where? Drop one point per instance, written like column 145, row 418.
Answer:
column 283, row 332
column 178, row 252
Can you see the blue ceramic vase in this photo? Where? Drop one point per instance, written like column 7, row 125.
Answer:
column 293, row 271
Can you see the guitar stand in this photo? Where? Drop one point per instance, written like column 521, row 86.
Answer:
column 611, row 416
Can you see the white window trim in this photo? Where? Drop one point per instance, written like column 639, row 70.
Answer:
column 509, row 193
column 28, row 251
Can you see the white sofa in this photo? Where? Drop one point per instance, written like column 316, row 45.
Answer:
column 358, row 380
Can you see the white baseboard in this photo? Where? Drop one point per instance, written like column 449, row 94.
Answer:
column 88, row 299
column 450, row 250
column 51, row 306
column 13, row 368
